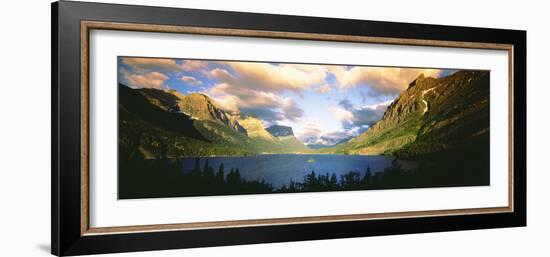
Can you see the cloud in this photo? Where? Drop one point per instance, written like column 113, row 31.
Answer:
column 382, row 80
column 346, row 104
column 222, row 75
column 255, row 88
column 151, row 64
column 310, row 133
column 148, row 80
column 193, row 65
column 323, row 89
column 266, row 105
column 341, row 114
column 291, row 110
column 268, row 115
column 227, row 102
column 246, row 97
column 270, row 78
column 364, row 96
column 368, row 115
column 335, row 137
column 191, row 80
column 358, row 118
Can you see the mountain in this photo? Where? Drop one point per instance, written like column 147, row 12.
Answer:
column 285, row 135
column 201, row 107
column 280, row 131
column 292, row 144
column 144, row 125
column 168, row 123
column 431, row 115
column 135, row 108
column 255, row 128
column 319, row 146
column 197, row 106
column 328, row 142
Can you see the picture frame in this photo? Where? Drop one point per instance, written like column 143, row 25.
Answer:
column 72, row 233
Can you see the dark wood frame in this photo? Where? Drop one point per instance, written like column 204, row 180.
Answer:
column 71, row 23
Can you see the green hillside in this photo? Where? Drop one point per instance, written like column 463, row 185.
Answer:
column 431, row 115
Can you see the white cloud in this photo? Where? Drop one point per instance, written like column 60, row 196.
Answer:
column 309, row 133
column 341, row 114
column 325, row 88
column 267, row 105
column 227, row 102
column 377, row 106
column 193, row 65
column 386, row 80
column 148, row 80
column 271, row 78
column 191, row 80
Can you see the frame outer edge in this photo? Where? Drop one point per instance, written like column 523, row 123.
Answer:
column 65, row 225
column 520, row 119
column 68, row 128
column 525, row 132
column 54, row 130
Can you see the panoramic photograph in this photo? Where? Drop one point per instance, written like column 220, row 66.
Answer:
column 189, row 127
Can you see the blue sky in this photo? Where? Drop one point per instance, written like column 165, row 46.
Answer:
column 322, row 103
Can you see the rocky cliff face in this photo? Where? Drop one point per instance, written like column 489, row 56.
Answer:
column 255, row 128
column 285, row 136
column 432, row 114
column 280, row 131
column 201, row 107
column 197, row 106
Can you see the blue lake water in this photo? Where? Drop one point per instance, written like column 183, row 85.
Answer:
column 280, row 169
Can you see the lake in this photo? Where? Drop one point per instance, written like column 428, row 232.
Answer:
column 280, row 169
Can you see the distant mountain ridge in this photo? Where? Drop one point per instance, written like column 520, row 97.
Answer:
column 331, row 143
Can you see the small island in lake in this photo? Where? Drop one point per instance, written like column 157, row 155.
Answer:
column 204, row 128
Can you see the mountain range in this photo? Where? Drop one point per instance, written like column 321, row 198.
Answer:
column 431, row 115
column 200, row 127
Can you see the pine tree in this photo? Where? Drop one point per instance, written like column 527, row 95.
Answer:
column 196, row 171
column 220, row 176
column 333, row 181
column 237, row 176
column 208, row 172
column 367, row 177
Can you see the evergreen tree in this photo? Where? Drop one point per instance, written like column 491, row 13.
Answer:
column 220, row 176
column 367, row 177
column 333, row 181
column 196, row 171
column 207, row 172
column 231, row 177
column 292, row 186
column 237, row 176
